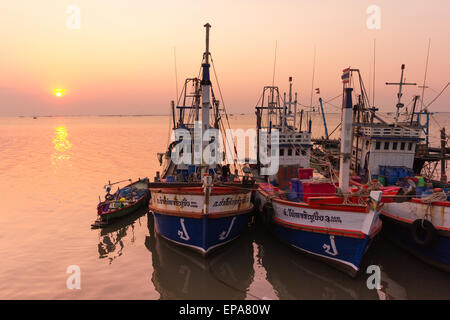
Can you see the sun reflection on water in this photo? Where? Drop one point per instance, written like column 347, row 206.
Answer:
column 62, row 146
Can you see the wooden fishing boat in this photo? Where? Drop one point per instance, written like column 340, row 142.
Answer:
column 195, row 203
column 123, row 202
column 422, row 228
column 388, row 153
column 316, row 218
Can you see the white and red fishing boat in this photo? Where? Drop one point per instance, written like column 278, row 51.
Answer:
column 391, row 152
column 198, row 203
column 313, row 216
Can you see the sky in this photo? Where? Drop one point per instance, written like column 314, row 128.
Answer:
column 121, row 59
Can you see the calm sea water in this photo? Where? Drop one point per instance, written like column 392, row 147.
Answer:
column 52, row 171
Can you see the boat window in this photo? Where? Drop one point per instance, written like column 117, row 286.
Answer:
column 377, row 145
column 386, row 146
column 289, row 152
column 282, row 152
column 410, row 146
column 303, row 153
column 394, row 145
column 402, row 146
column 297, row 152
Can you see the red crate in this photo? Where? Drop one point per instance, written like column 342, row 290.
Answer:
column 285, row 174
column 317, row 189
column 305, row 173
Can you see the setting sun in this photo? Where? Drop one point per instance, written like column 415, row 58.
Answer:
column 59, row 92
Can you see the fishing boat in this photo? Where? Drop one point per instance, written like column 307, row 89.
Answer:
column 123, row 202
column 198, row 203
column 315, row 216
column 391, row 153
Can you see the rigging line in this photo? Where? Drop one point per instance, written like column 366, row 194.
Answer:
column 448, row 83
column 425, row 75
column 224, row 109
column 432, row 117
column 339, row 95
column 308, row 115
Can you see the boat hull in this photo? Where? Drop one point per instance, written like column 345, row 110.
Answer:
column 338, row 237
column 398, row 219
column 200, row 234
column 124, row 211
column 347, row 257
column 180, row 215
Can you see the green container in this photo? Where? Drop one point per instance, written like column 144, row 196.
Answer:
column 382, row 180
column 420, row 182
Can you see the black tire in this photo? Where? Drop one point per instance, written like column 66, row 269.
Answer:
column 256, row 213
column 267, row 215
column 423, row 232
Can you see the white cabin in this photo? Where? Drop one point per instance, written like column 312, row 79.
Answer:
column 385, row 145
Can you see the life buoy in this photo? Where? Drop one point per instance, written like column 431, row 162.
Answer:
column 423, row 232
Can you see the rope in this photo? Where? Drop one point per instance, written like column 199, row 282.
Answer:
column 225, row 112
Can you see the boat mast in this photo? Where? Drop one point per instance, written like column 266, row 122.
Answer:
column 346, row 140
column 399, row 94
column 206, row 88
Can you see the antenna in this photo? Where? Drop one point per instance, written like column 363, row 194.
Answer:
column 308, row 114
column 399, row 94
column 312, row 81
column 274, row 63
column 176, row 75
column 425, row 76
column 373, row 81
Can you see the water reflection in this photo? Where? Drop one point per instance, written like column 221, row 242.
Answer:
column 182, row 274
column 297, row 276
column 61, row 144
column 112, row 237
column 403, row 276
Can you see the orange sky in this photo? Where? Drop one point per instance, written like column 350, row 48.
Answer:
column 121, row 60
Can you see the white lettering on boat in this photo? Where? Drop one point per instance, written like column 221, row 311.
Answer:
column 224, row 234
column 327, row 247
column 183, row 234
column 177, row 203
column 311, row 217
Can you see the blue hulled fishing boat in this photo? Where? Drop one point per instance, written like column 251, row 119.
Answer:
column 391, row 154
column 197, row 202
column 316, row 216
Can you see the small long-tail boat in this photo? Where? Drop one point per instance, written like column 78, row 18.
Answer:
column 123, row 202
